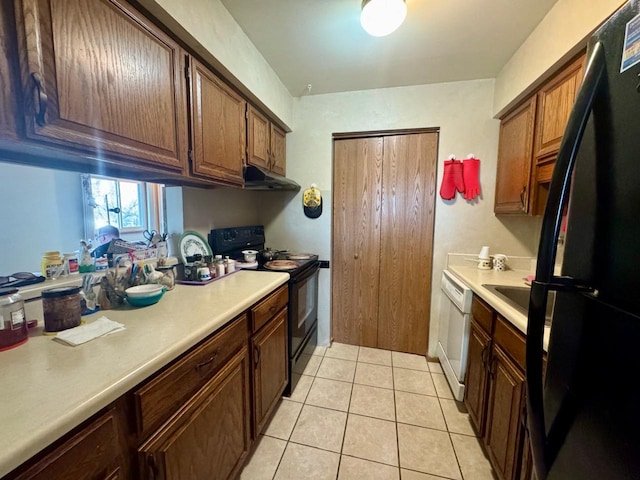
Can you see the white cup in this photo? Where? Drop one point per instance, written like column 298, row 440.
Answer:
column 500, row 262
column 484, row 253
column 250, row 255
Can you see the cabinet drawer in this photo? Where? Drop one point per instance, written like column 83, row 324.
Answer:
column 261, row 313
column 90, row 454
column 512, row 341
column 482, row 313
column 159, row 398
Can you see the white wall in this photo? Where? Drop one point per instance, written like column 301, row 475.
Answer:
column 554, row 40
column 213, row 26
column 462, row 110
column 41, row 211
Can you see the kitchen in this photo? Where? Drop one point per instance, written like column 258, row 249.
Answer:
column 463, row 110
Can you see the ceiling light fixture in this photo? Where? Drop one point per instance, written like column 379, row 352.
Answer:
column 381, row 17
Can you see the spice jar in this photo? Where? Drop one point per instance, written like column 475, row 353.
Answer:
column 50, row 264
column 13, row 326
column 61, row 307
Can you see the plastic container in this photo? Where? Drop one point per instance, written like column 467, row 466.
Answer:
column 71, row 263
column 50, row 264
column 229, row 265
column 61, row 308
column 102, row 263
column 220, row 270
column 13, row 325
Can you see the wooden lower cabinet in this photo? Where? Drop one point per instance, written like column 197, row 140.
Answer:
column 90, row 454
column 270, row 350
column 495, row 391
column 477, row 377
column 193, row 419
column 210, row 436
column 503, row 435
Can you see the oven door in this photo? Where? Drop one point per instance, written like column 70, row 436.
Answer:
column 303, row 311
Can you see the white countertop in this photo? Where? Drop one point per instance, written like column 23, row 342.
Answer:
column 49, row 388
column 475, row 278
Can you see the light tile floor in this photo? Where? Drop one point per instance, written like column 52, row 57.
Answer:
column 363, row 413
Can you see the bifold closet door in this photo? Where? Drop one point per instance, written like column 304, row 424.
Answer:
column 406, row 241
column 357, row 185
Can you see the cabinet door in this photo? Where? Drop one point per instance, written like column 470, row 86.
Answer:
column 477, row 377
column 514, row 159
column 217, row 126
column 555, row 102
column 91, row 454
column 210, row 436
column 278, row 151
column 99, row 77
column 258, row 143
column 504, row 432
column 270, row 369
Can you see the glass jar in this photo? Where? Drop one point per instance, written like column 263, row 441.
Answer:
column 168, row 276
column 61, row 308
column 13, row 325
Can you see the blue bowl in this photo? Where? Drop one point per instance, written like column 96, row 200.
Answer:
column 145, row 301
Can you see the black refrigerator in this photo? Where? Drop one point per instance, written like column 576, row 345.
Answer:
column 583, row 412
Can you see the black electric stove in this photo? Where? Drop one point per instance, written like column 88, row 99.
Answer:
column 303, row 290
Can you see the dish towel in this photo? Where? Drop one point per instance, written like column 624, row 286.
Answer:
column 85, row 333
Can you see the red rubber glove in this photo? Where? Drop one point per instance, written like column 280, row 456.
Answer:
column 451, row 179
column 471, row 169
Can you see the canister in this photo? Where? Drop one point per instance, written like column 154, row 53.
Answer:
column 51, row 263
column 13, row 325
column 61, row 308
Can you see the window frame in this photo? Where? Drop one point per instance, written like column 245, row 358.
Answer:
column 153, row 209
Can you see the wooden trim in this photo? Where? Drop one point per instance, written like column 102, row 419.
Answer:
column 384, row 133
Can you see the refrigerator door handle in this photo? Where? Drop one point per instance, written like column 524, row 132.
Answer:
column 543, row 456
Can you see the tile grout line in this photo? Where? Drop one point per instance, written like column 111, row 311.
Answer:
column 395, row 415
column 346, row 422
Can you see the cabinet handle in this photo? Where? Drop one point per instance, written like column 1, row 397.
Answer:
column 482, row 355
column 522, row 193
column 355, row 255
column 153, row 468
column 207, row 362
column 43, row 100
column 492, row 365
column 256, row 355
column 273, row 309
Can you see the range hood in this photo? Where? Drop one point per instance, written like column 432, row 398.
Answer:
column 256, row 178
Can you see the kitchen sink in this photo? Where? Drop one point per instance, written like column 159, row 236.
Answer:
column 518, row 298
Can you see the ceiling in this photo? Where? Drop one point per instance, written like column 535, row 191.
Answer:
column 321, row 42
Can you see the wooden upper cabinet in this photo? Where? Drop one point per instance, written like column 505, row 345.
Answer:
column 514, row 159
column 217, row 127
column 555, row 102
column 258, row 139
column 278, row 150
column 99, row 77
column 266, row 143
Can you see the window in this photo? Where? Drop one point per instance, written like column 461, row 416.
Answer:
column 129, row 205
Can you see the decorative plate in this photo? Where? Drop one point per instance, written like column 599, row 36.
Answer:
column 192, row 243
column 281, row 265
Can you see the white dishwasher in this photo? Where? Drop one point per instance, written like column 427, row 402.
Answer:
column 453, row 332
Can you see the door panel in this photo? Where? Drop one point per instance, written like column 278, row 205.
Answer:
column 357, row 194
column 218, row 124
column 406, row 245
column 99, row 77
